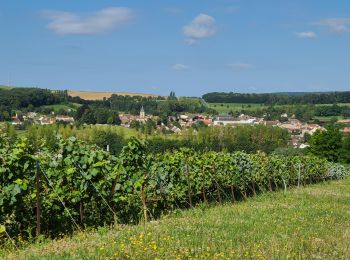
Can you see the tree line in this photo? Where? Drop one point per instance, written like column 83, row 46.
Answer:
column 278, row 98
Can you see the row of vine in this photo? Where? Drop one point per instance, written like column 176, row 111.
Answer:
column 84, row 186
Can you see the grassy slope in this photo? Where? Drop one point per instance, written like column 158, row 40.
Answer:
column 311, row 222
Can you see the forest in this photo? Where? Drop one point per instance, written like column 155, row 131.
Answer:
column 278, row 98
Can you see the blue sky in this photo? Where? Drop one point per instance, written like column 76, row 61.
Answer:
column 189, row 46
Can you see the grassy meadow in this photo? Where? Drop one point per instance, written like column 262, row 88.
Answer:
column 309, row 222
column 225, row 108
column 56, row 108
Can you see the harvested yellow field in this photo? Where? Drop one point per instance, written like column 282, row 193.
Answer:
column 91, row 95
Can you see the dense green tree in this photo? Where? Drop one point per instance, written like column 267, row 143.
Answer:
column 327, row 144
column 135, row 124
column 279, row 98
column 346, row 149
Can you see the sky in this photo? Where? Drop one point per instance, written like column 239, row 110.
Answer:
column 188, row 46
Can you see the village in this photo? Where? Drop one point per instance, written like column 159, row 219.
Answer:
column 175, row 124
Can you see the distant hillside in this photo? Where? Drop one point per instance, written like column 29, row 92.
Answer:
column 94, row 95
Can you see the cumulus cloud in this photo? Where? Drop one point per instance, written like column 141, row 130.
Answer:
column 180, row 67
column 240, row 66
column 105, row 20
column 337, row 25
column 201, row 27
column 308, row 35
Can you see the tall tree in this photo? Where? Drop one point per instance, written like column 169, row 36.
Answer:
column 327, row 144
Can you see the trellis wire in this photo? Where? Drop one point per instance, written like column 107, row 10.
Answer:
column 59, row 198
column 104, row 200
column 9, row 237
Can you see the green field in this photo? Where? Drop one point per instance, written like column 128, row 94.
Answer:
column 5, row 87
column 306, row 223
column 58, row 107
column 224, row 108
column 329, row 117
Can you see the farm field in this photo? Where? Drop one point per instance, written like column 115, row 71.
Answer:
column 5, row 87
column 224, row 108
column 329, row 117
column 59, row 107
column 303, row 223
column 94, row 95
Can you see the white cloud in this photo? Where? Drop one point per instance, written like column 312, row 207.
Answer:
column 180, row 67
column 337, row 25
column 201, row 27
column 105, row 20
column 240, row 66
column 308, row 35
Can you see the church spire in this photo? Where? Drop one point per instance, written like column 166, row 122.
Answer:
column 142, row 113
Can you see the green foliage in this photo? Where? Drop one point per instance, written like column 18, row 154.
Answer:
column 346, row 149
column 307, row 223
column 327, row 144
column 278, row 98
column 84, row 186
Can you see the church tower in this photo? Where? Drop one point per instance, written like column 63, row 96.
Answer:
column 142, row 113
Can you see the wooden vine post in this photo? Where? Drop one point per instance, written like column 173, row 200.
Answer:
column 143, row 197
column 189, row 185
column 81, row 212
column 38, row 199
column 233, row 193
column 203, row 187
column 217, row 184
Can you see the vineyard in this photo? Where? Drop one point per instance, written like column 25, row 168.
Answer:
column 74, row 186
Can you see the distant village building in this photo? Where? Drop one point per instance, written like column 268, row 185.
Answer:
column 271, row 123
column 343, row 121
column 142, row 113
column 46, row 120
column 65, row 119
column 16, row 120
column 142, row 118
column 346, row 129
column 229, row 120
column 207, row 121
column 176, row 130
column 293, row 126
